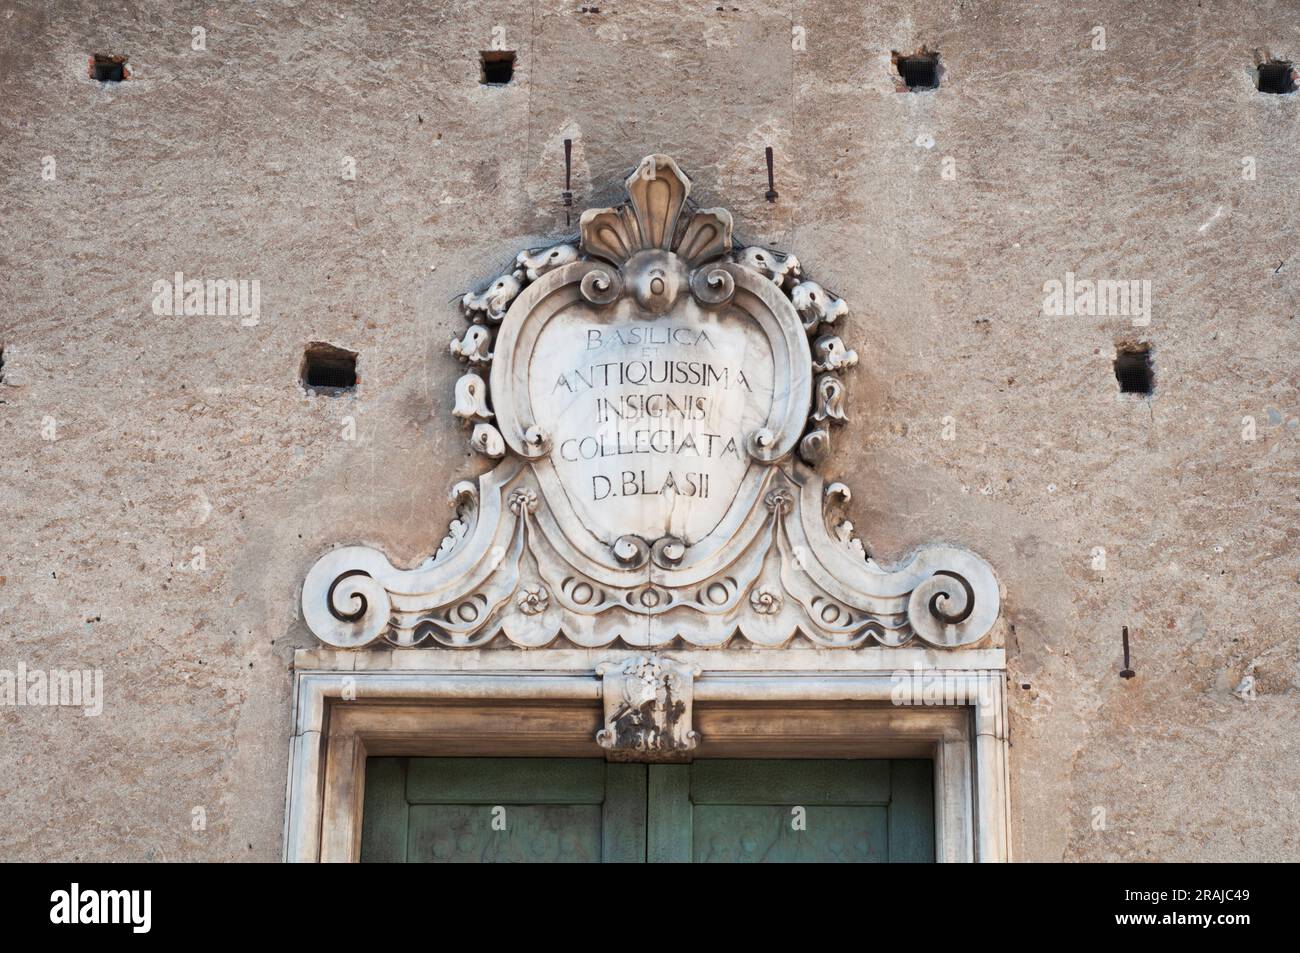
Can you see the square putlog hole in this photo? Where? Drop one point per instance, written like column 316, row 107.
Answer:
column 1276, row 77
column 498, row 67
column 919, row 71
column 108, row 68
column 329, row 369
column 1134, row 371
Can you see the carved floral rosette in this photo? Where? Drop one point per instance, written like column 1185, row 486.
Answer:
column 702, row 520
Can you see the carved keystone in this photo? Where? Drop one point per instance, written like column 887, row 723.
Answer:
column 648, row 702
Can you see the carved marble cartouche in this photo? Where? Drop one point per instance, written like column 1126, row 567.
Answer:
column 658, row 402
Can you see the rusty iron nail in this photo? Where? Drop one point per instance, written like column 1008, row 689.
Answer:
column 1126, row 671
column 568, row 181
column 771, row 183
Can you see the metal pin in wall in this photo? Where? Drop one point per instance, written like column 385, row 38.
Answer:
column 568, row 182
column 1126, row 671
column 771, row 182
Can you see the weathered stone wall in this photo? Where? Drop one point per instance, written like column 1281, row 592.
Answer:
column 180, row 432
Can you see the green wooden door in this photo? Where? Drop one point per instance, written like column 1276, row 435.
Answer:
column 791, row 812
column 503, row 810
column 529, row 810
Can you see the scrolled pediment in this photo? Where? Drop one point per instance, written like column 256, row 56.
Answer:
column 658, row 401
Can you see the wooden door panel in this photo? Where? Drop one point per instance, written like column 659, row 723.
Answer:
column 766, row 834
column 578, row 810
column 503, row 810
column 533, row 834
column 791, row 811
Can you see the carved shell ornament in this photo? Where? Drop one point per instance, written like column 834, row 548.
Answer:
column 658, row 399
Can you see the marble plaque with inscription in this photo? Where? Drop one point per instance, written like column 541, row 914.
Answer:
column 648, row 416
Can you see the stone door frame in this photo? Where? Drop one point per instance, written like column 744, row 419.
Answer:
column 548, row 703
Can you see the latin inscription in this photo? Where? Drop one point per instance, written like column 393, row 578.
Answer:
column 650, row 406
column 649, row 418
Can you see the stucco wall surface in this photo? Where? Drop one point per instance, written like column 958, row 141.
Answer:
column 163, row 534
